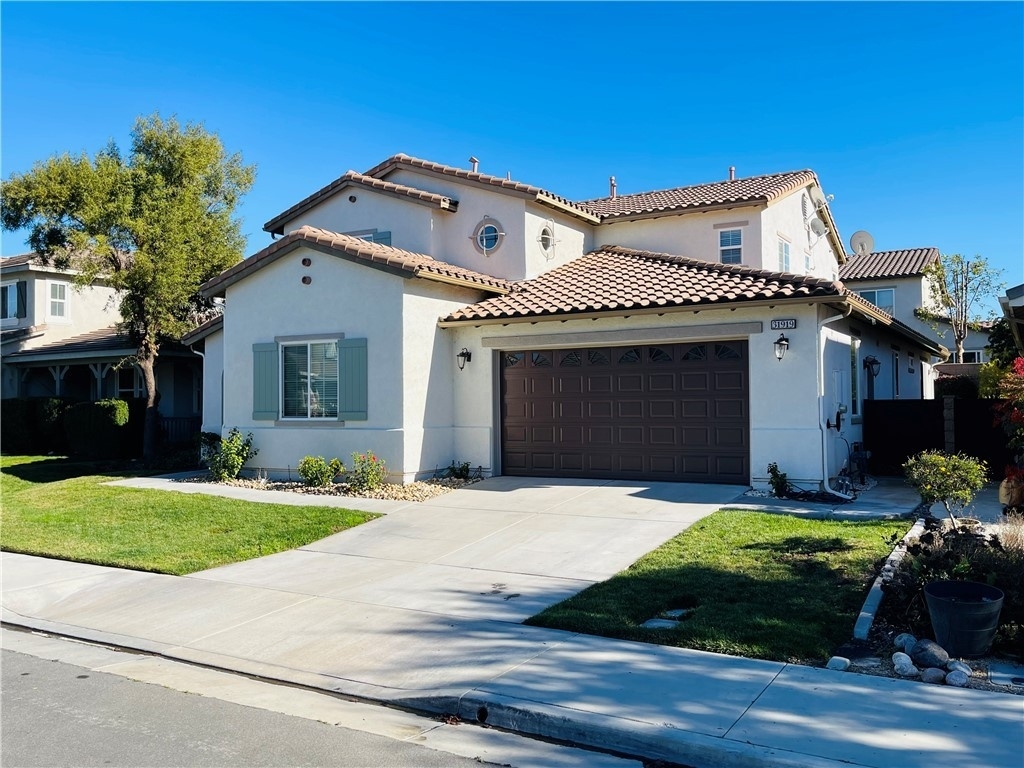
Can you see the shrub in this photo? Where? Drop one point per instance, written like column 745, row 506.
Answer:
column 17, row 433
column 963, row 554
column 778, row 481
column 963, row 387
column 953, row 479
column 226, row 457
column 95, row 430
column 458, row 471
column 317, row 472
column 367, row 473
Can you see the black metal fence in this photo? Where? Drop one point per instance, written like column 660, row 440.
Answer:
column 179, row 430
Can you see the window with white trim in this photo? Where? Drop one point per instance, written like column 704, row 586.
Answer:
column 57, row 305
column 783, row 256
column 309, row 380
column 730, row 246
column 9, row 297
column 373, row 235
column 883, row 298
column 974, row 356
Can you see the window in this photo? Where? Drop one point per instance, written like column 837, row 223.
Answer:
column 896, row 375
column 546, row 239
column 730, row 246
column 973, row 356
column 854, row 377
column 783, row 256
column 57, row 307
column 808, row 264
column 309, row 380
column 9, row 297
column 384, row 238
column 488, row 236
column 883, row 298
column 129, row 383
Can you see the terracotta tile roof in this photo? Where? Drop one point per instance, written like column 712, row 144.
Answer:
column 754, row 189
column 882, row 264
column 357, row 249
column 616, row 278
column 539, row 195
column 354, row 179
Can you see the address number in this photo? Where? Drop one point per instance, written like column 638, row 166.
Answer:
column 783, row 325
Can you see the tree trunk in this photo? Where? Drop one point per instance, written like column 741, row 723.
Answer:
column 960, row 350
column 151, row 427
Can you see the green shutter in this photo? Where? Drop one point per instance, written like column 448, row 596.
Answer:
column 22, row 308
column 264, row 382
column 352, row 379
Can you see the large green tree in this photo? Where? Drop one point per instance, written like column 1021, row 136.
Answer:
column 959, row 286
column 155, row 224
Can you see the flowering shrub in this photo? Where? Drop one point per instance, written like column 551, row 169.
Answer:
column 316, row 471
column 226, row 457
column 1011, row 413
column 367, row 473
column 953, row 479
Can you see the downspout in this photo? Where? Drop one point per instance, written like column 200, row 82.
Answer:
column 822, row 417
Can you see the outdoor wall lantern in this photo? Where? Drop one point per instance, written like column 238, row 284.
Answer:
column 872, row 365
column 781, row 345
column 464, row 357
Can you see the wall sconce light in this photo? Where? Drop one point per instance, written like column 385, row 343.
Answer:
column 872, row 365
column 464, row 357
column 781, row 345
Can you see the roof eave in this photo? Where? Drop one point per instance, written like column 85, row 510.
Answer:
column 683, row 210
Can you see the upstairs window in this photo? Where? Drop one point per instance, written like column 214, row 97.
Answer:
column 883, row 298
column 373, row 235
column 730, row 246
column 974, row 356
column 783, row 256
column 57, row 307
column 11, row 303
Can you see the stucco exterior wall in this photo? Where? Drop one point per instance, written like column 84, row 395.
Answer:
column 88, row 308
column 785, row 219
column 572, row 238
column 213, row 382
column 693, row 234
column 408, row 222
column 358, row 301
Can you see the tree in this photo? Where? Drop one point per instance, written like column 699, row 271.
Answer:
column 156, row 226
column 1002, row 349
column 958, row 285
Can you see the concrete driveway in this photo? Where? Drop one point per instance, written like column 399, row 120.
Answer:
column 502, row 549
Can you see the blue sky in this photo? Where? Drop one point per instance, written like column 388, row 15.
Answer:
column 911, row 114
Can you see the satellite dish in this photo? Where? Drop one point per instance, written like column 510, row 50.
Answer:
column 816, row 197
column 817, row 226
column 862, row 243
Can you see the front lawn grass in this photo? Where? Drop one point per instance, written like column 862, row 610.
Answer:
column 59, row 508
column 757, row 585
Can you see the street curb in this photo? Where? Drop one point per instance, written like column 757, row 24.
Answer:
column 867, row 614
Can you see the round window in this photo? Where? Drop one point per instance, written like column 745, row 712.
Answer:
column 488, row 236
column 547, row 239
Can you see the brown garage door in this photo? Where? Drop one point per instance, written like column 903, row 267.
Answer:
column 657, row 412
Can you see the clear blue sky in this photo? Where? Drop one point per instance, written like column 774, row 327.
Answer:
column 911, row 114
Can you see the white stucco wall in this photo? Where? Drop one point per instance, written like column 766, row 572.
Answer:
column 88, row 308
column 692, row 234
column 213, row 382
column 572, row 238
column 784, row 219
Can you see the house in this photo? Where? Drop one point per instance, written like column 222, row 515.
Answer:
column 432, row 313
column 896, row 282
column 1012, row 305
column 61, row 340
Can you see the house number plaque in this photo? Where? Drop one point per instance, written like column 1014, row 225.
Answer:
column 786, row 324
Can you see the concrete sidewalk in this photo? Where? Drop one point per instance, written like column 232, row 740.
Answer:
column 434, row 626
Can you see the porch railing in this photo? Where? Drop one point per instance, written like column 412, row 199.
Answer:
column 175, row 430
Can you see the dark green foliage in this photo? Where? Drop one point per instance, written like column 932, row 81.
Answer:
column 778, row 481
column 963, row 387
column 226, row 457
column 964, row 554
column 33, row 425
column 1002, row 348
column 317, row 472
column 96, row 430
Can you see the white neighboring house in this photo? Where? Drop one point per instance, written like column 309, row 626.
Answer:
column 896, row 282
column 431, row 313
column 57, row 339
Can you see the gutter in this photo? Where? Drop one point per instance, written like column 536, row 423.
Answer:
column 822, row 417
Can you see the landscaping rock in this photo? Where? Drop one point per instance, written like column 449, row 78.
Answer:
column 905, row 641
column 928, row 653
column 838, row 663
column 957, row 678
column 660, row 624
column 675, row 613
column 954, row 665
column 933, row 675
column 904, row 666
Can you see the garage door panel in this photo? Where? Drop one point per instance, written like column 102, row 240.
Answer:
column 669, row 411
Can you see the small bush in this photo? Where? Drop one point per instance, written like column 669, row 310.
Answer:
column 317, row 472
column 953, row 479
column 458, row 471
column 963, row 387
column 778, row 481
column 95, row 430
column 367, row 473
column 226, row 458
column 16, row 417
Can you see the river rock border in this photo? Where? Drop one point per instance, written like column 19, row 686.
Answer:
column 874, row 599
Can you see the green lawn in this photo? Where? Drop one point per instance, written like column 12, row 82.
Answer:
column 758, row 585
column 60, row 508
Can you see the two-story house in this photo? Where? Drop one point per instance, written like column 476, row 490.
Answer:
column 58, row 339
column 432, row 313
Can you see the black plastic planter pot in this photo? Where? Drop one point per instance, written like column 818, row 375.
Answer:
column 965, row 616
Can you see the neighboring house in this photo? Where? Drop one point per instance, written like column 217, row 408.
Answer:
column 431, row 313
column 896, row 282
column 58, row 339
column 1012, row 305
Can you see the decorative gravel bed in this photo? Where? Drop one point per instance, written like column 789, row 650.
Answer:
column 419, row 491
